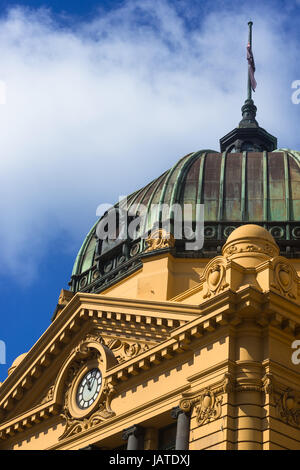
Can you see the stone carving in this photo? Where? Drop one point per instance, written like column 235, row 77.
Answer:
column 64, row 297
column 124, row 351
column 228, row 383
column 288, row 407
column 159, row 239
column 104, row 411
column 215, row 279
column 284, row 279
column 268, row 250
column 84, row 350
column 208, row 406
column 49, row 395
column 265, row 249
column 268, row 384
column 72, row 371
column 231, row 250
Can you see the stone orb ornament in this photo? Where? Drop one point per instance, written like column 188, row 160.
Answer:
column 250, row 245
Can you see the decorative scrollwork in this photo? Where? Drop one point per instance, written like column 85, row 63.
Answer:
column 83, row 349
column 104, row 411
column 159, row 239
column 288, row 407
column 231, row 250
column 85, row 353
column 209, row 408
column 215, row 279
column 208, row 403
column 284, row 279
column 251, row 248
column 268, row 384
column 124, row 351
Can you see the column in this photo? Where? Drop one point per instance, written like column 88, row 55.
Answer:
column 183, row 428
column 134, row 435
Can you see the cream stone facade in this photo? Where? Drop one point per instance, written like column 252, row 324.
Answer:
column 199, row 347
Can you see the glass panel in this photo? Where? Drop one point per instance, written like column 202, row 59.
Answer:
column 87, row 261
column 294, row 189
column 233, row 187
column 255, row 187
column 211, row 186
column 276, row 187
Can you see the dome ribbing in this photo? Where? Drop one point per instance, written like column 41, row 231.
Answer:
column 260, row 188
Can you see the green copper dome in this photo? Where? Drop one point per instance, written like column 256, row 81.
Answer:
column 236, row 188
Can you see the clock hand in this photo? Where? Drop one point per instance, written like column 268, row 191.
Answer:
column 89, row 385
column 94, row 378
column 91, row 382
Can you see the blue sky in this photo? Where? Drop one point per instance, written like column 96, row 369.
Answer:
column 102, row 97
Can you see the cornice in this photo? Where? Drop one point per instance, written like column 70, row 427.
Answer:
column 105, row 301
column 221, row 367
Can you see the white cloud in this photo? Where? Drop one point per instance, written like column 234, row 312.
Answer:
column 101, row 108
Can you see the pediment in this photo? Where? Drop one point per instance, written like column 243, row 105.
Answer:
column 43, row 387
column 36, row 389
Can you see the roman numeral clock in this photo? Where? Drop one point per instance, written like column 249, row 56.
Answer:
column 88, row 388
column 86, row 393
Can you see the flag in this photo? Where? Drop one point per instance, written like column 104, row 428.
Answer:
column 251, row 67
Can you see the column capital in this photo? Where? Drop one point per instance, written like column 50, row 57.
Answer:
column 134, row 430
column 182, row 429
column 176, row 411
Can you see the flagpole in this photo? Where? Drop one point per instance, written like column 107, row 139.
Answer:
column 250, row 23
column 249, row 109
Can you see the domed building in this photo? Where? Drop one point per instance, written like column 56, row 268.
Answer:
column 249, row 181
column 172, row 337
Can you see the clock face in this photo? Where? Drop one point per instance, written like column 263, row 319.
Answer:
column 89, row 388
